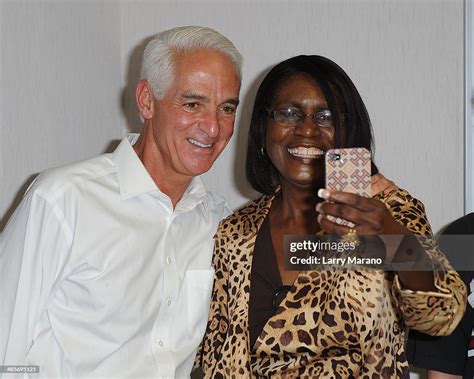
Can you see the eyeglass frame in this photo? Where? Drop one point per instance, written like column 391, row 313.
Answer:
column 271, row 114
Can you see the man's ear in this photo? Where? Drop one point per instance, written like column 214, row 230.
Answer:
column 144, row 97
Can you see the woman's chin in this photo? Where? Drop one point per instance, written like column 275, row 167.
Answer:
column 306, row 184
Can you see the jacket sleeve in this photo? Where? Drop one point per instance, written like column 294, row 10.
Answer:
column 431, row 312
column 218, row 322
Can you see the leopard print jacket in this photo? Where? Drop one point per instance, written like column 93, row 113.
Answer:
column 332, row 324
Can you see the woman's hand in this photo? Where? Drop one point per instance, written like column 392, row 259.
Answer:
column 381, row 184
column 368, row 216
column 371, row 217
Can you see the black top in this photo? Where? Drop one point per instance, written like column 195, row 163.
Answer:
column 448, row 354
column 266, row 290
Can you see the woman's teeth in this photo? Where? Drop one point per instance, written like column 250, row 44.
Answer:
column 305, row 152
column 199, row 144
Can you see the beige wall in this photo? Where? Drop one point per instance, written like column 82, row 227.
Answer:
column 405, row 57
column 64, row 65
column 59, row 89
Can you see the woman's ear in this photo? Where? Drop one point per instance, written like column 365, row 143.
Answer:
column 144, row 97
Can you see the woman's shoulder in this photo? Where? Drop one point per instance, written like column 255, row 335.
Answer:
column 248, row 215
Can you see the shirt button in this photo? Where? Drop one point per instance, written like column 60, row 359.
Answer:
column 169, row 260
column 161, row 343
column 168, row 302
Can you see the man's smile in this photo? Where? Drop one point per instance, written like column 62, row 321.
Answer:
column 199, row 144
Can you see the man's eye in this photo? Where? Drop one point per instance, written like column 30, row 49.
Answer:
column 191, row 106
column 228, row 110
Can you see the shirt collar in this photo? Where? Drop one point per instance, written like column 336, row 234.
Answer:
column 133, row 177
column 194, row 194
column 135, row 180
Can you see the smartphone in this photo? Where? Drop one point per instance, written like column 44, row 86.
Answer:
column 348, row 170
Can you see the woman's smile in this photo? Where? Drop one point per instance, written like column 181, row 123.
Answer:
column 308, row 152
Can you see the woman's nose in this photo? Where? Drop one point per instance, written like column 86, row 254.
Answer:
column 308, row 127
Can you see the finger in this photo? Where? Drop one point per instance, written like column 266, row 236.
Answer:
column 345, row 212
column 368, row 222
column 356, row 201
column 330, row 227
column 381, row 184
column 340, row 221
column 391, row 186
column 376, row 178
column 377, row 184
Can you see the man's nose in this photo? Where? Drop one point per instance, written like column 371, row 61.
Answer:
column 210, row 124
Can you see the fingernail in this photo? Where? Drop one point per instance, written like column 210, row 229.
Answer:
column 318, row 207
column 323, row 194
column 320, row 218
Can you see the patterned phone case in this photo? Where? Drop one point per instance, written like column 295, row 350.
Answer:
column 348, row 170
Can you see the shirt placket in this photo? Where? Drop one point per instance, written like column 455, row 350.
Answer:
column 162, row 344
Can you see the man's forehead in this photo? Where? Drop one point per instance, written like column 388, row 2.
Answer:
column 192, row 95
column 202, row 75
column 202, row 58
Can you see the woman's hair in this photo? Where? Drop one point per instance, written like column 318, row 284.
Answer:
column 158, row 66
column 343, row 100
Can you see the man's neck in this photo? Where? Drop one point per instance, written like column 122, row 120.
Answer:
column 171, row 185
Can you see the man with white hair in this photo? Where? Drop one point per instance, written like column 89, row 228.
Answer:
column 105, row 267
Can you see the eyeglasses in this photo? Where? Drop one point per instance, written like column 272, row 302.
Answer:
column 294, row 117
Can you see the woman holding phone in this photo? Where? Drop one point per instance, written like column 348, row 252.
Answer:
column 268, row 322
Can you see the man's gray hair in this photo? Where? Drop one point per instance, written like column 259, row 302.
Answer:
column 158, row 66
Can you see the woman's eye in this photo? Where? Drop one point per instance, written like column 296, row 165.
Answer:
column 323, row 117
column 290, row 113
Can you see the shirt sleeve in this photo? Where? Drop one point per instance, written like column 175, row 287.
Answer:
column 34, row 249
column 431, row 312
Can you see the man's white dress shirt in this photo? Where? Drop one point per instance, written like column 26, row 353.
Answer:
column 100, row 277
